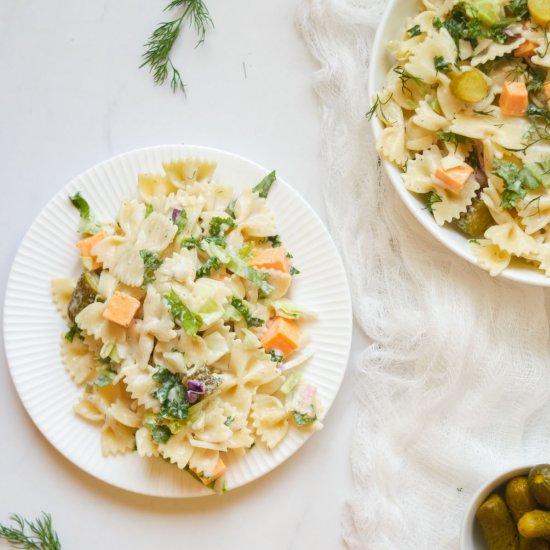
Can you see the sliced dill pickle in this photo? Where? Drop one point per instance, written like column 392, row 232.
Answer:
column 540, row 11
column 497, row 524
column 476, row 220
column 535, row 524
column 539, row 483
column 83, row 295
column 519, row 498
column 470, row 86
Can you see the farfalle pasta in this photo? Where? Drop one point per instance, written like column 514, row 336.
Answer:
column 179, row 330
column 465, row 112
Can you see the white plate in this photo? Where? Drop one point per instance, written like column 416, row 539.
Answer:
column 33, row 328
column 390, row 28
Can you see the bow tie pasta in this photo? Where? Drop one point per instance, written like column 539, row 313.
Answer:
column 180, row 333
column 465, row 112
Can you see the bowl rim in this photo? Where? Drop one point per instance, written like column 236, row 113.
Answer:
column 522, row 274
column 480, row 495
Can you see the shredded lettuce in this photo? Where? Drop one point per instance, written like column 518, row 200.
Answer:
column 106, row 376
column 151, row 262
column 289, row 310
column 74, row 330
column 243, row 308
column 88, row 224
column 182, row 315
column 242, row 269
column 291, row 382
column 265, row 185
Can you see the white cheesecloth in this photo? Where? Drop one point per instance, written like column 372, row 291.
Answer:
column 454, row 386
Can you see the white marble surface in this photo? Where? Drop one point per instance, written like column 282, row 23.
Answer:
column 71, row 95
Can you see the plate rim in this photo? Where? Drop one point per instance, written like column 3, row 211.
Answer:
column 519, row 274
column 347, row 307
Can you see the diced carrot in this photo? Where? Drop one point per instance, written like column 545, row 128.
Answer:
column 270, row 258
column 527, row 49
column 86, row 246
column 453, row 173
column 121, row 308
column 282, row 334
column 218, row 471
column 514, row 99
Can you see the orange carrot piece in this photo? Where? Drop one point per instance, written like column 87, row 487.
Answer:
column 455, row 177
column 86, row 246
column 527, row 49
column 282, row 334
column 514, row 99
column 121, row 309
column 270, row 258
column 219, row 470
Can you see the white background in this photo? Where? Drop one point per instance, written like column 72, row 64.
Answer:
column 71, row 95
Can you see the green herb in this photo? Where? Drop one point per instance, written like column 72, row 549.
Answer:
column 442, row 66
column 217, row 225
column 406, row 77
column 276, row 355
column 252, row 446
column 537, row 79
column 484, row 113
column 224, row 487
column 274, row 240
column 518, row 9
column 464, row 23
column 160, row 433
column 242, row 308
column 106, row 375
column 171, row 394
column 303, row 419
column 37, row 535
column 265, row 185
column 190, row 243
column 454, row 139
column 294, row 271
column 231, row 208
column 212, row 263
column 88, row 223
column 183, row 316
column 151, row 262
column 414, row 31
column 535, row 112
column 180, row 221
column 160, row 43
column 242, row 269
column 229, row 420
column 73, row 331
column 148, row 210
column 434, row 105
column 432, row 198
column 474, row 241
column 377, row 105
column 516, row 180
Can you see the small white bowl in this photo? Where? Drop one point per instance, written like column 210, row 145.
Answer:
column 471, row 537
column 391, row 28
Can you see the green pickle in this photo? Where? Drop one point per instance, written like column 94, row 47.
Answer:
column 470, row 86
column 497, row 524
column 535, row 524
column 518, row 497
column 476, row 220
column 83, row 295
column 539, row 483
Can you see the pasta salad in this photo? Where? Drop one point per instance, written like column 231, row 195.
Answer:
column 180, row 332
column 465, row 111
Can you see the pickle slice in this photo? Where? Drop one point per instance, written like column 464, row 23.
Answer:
column 470, row 86
column 540, row 11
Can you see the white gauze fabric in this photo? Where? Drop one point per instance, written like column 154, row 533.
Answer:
column 454, row 385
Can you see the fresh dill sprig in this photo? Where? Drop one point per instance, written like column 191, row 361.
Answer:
column 160, row 43
column 42, row 535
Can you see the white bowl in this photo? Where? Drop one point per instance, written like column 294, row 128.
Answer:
column 390, row 28
column 471, row 537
